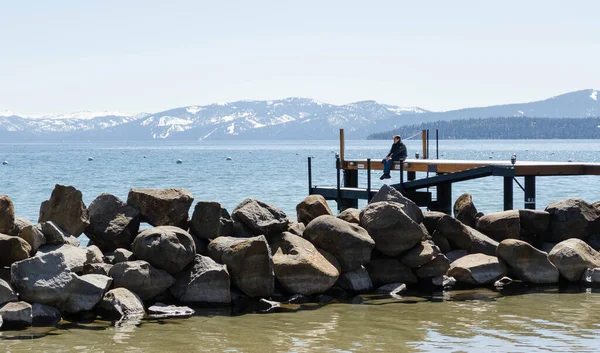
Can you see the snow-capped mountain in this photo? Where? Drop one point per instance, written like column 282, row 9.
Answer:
column 290, row 118
column 277, row 119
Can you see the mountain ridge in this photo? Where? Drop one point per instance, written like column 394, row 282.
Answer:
column 288, row 118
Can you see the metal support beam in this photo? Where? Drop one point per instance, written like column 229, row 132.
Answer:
column 508, row 193
column 368, row 179
column 444, row 198
column 309, row 176
column 410, row 176
column 530, row 192
column 350, row 181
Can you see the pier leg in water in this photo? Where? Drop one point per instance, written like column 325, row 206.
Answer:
column 444, row 198
column 508, row 193
column 350, row 181
column 530, row 192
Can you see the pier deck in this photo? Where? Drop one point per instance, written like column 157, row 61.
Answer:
column 441, row 174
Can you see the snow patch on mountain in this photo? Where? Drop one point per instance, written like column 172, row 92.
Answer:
column 194, row 109
column 594, row 95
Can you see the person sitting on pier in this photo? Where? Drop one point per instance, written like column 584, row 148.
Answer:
column 397, row 153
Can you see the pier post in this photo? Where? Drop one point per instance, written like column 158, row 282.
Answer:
column 508, row 193
column 309, row 176
column 530, row 192
column 350, row 181
column 444, row 198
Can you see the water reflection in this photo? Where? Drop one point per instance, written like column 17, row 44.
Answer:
column 458, row 321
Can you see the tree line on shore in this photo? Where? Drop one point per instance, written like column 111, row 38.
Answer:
column 503, row 128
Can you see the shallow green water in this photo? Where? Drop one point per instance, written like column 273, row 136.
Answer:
column 456, row 321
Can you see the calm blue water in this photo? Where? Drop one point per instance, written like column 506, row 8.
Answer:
column 273, row 171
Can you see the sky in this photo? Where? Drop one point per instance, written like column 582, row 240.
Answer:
column 148, row 56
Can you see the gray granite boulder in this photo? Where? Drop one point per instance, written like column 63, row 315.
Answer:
column 477, row 269
column 464, row 210
column 210, row 220
column 356, row 281
column 16, row 314
column 249, row 262
column 75, row 257
column 573, row 257
column 388, row 193
column 420, row 254
column 7, row 215
column 572, row 218
column 434, row 268
column 260, row 218
column 300, row 267
column 54, row 235
column 13, row 249
column 162, row 207
column 202, row 281
column 113, row 223
column 45, row 315
column 97, row 269
column 120, row 304
column 161, row 311
column 456, row 254
column 141, row 278
column 119, row 255
column 66, row 208
column 500, row 225
column 349, row 243
column 43, row 279
column 85, row 292
column 33, row 235
column 20, row 223
column 7, row 293
column 167, row 248
column 389, row 270
column 527, row 263
column 430, row 219
column 312, row 207
column 350, row 215
column 463, row 237
column 393, row 231
column 534, row 223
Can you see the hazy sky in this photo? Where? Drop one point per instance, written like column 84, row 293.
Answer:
column 63, row 56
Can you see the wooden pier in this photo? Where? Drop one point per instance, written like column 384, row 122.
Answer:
column 441, row 174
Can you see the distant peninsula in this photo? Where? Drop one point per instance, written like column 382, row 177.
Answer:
column 502, row 128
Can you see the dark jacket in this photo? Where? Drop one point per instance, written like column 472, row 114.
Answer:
column 397, row 152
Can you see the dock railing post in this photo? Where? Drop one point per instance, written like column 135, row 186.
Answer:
column 338, row 197
column 530, row 192
column 402, row 175
column 508, row 193
column 368, row 180
column 309, row 175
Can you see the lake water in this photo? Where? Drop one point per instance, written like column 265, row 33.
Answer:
column 276, row 172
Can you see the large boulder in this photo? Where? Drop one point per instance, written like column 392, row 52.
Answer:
column 162, row 207
column 528, row 263
column 420, row 254
column 43, row 279
column 500, row 225
column 477, row 269
column 202, row 281
column 430, row 219
column 45, row 315
column 356, row 281
column 464, row 209
column 300, row 267
column 141, row 278
column 166, row 247
column 33, row 235
column 85, row 292
column 7, row 293
column 393, row 231
column 312, row 207
column 7, row 215
column 16, row 314
column 388, row 193
column 572, row 218
column 461, row 236
column 120, row 303
column 249, row 262
column 75, row 257
column 20, row 223
column 210, row 220
column 66, row 208
column 260, row 218
column 13, row 249
column 54, row 235
column 350, row 215
column 434, row 268
column 534, row 223
column 389, row 270
column 349, row 243
column 573, row 257
column 113, row 223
